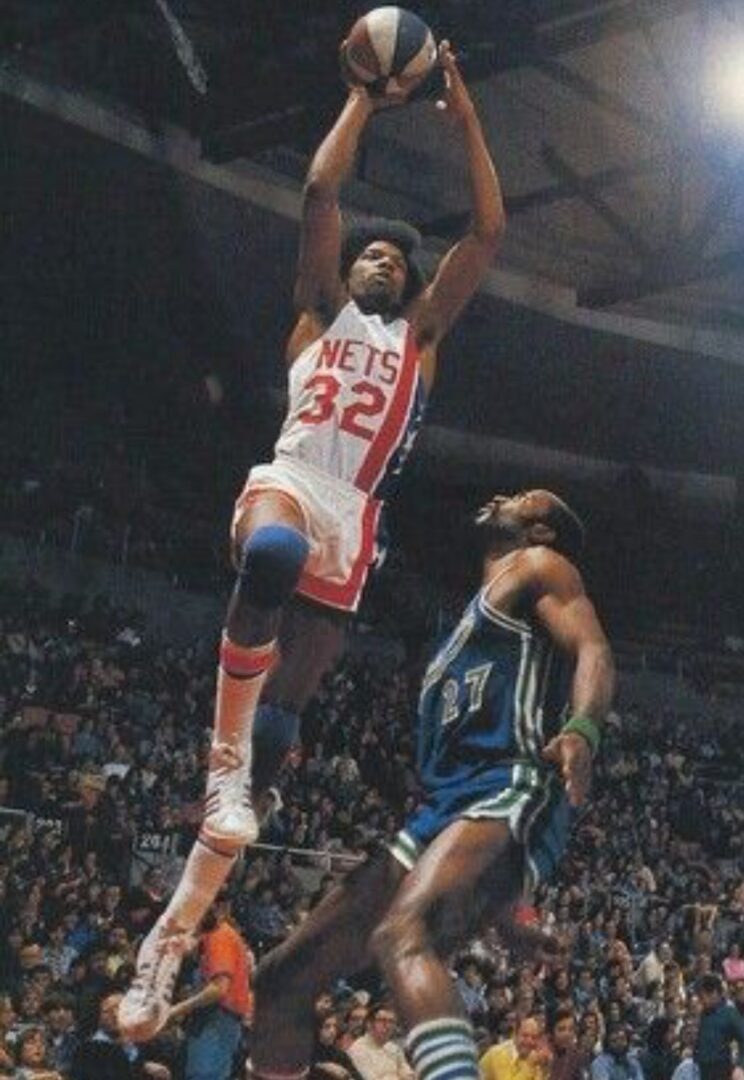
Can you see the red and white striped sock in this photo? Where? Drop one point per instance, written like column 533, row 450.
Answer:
column 241, row 676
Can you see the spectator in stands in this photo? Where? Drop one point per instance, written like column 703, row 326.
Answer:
column 733, row 964
column 95, row 984
column 675, row 990
column 355, row 1023
column 323, row 1005
column 651, row 969
column 720, row 1025
column 471, row 985
column 28, row 1007
column 145, row 902
column 41, row 980
column 659, row 1060
column 63, row 1039
column 687, row 1068
column 524, row 1057
column 7, row 1020
column 557, row 990
column 89, row 817
column 30, row 957
column 32, row 1057
column 104, row 1055
column 57, row 953
column 329, row 1059
column 224, row 1004
column 264, row 921
column 498, row 1000
column 567, row 1062
column 617, row 1061
column 375, row 1055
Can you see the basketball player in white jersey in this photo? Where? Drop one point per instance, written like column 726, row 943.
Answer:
column 362, row 358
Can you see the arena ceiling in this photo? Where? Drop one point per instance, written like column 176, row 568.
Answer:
column 623, row 176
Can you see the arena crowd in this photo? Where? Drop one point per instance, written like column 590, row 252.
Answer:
column 103, row 739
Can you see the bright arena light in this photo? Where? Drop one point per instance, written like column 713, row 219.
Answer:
column 726, row 80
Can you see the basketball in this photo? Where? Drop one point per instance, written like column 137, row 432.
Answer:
column 389, row 50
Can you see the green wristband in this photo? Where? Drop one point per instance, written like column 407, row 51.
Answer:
column 585, row 726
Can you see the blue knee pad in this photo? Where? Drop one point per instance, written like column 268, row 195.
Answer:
column 275, row 731
column 273, row 558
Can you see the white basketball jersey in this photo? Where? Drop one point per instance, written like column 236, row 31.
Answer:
column 355, row 400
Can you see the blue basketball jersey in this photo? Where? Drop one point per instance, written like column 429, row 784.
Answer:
column 493, row 696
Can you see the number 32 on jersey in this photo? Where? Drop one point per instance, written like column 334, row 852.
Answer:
column 370, row 401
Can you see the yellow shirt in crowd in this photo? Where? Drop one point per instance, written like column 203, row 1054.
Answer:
column 502, row 1062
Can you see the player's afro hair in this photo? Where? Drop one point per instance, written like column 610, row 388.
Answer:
column 404, row 236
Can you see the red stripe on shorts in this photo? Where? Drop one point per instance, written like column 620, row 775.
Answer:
column 346, row 594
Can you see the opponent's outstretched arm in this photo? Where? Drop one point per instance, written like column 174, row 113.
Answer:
column 463, row 267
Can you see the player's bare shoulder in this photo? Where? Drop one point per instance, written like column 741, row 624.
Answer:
column 545, row 570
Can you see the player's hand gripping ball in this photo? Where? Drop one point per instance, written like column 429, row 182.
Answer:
column 389, row 51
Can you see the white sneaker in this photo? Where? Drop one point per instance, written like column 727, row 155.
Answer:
column 145, row 1007
column 228, row 812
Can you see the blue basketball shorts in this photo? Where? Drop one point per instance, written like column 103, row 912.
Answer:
column 532, row 800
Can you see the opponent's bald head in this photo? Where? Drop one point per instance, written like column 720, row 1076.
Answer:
column 530, row 518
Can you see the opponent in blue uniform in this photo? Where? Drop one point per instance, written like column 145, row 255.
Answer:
column 510, row 715
column 492, row 699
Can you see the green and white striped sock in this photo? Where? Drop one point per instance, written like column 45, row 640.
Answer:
column 443, row 1049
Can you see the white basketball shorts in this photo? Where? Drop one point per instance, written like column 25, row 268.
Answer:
column 341, row 526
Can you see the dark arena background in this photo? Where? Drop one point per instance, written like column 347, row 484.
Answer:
column 153, row 158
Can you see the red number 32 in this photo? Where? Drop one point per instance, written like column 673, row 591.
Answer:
column 370, row 402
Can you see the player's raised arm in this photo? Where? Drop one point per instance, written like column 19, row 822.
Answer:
column 463, row 267
column 318, row 287
column 569, row 617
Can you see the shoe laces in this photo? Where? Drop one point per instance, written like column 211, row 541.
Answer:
column 228, row 774
column 224, row 757
column 149, row 978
